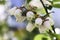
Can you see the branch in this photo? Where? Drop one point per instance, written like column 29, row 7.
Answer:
column 47, row 14
column 45, row 9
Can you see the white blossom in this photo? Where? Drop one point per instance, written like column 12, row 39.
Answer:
column 38, row 21
column 30, row 15
column 30, row 27
column 12, row 10
column 50, row 20
column 42, row 29
column 36, row 3
column 17, row 14
column 18, row 11
column 47, row 24
column 45, row 27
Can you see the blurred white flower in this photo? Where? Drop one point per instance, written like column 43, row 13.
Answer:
column 57, row 30
column 30, row 15
column 14, row 38
column 12, row 10
column 36, row 3
column 38, row 21
column 7, row 5
column 5, row 37
column 30, row 27
column 3, row 15
column 2, row 9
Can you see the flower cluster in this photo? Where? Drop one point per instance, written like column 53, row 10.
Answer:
column 36, row 15
column 17, row 13
column 43, row 24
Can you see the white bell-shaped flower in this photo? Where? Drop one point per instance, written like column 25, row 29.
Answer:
column 50, row 20
column 30, row 27
column 30, row 15
column 47, row 24
column 12, row 10
column 18, row 11
column 38, row 21
column 36, row 3
column 17, row 14
column 45, row 27
column 42, row 29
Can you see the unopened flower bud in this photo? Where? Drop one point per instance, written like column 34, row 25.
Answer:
column 30, row 15
column 38, row 21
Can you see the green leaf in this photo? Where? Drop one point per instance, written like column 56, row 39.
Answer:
column 56, row 3
column 56, row 0
column 2, row 1
column 42, row 37
column 54, row 35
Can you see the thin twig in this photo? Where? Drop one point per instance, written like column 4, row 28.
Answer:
column 47, row 14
